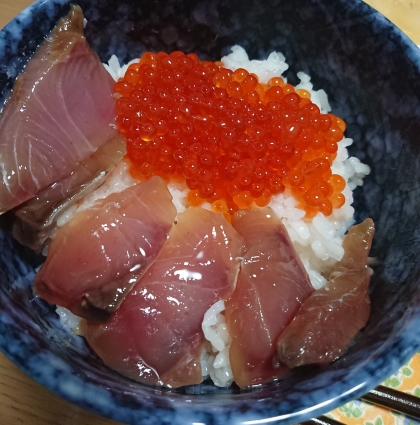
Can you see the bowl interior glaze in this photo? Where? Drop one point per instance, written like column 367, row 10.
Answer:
column 371, row 73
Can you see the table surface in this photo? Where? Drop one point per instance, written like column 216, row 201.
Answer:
column 22, row 401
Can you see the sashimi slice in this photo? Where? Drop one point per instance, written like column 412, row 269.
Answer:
column 60, row 111
column 95, row 259
column 272, row 285
column 156, row 336
column 331, row 317
column 356, row 245
column 35, row 219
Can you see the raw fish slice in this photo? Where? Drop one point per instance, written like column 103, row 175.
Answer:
column 272, row 285
column 95, row 259
column 332, row 316
column 356, row 244
column 60, row 111
column 156, row 336
column 35, row 219
column 327, row 321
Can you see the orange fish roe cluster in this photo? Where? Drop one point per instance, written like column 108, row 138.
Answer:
column 233, row 140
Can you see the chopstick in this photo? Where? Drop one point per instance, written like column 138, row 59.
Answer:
column 398, row 401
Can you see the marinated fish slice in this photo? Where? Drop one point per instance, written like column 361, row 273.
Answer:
column 327, row 321
column 272, row 285
column 156, row 336
column 60, row 111
column 95, row 259
column 332, row 316
column 356, row 244
column 35, row 219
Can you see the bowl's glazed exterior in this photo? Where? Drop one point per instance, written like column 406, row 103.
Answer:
column 371, row 73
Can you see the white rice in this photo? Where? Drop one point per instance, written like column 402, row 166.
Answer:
column 318, row 242
column 115, row 69
column 274, row 66
column 215, row 356
column 69, row 320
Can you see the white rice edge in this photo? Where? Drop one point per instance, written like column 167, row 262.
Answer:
column 215, row 356
column 319, row 243
column 273, row 66
column 115, row 70
column 69, row 320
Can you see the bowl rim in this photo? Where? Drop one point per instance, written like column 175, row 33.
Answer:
column 399, row 348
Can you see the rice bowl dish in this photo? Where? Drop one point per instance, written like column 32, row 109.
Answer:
column 243, row 154
column 288, row 207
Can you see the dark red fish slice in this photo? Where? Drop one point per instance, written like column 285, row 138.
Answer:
column 356, row 244
column 60, row 111
column 330, row 318
column 156, row 337
column 272, row 285
column 95, row 259
column 34, row 220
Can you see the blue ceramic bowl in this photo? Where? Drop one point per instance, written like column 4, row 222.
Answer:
column 371, row 72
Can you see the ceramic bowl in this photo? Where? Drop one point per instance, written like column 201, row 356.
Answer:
column 371, row 72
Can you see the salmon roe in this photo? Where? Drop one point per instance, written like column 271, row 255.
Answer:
column 234, row 141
